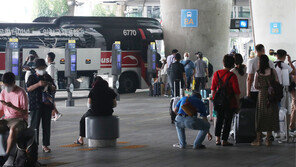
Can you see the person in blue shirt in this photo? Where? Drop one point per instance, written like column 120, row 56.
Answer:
column 189, row 69
column 183, row 121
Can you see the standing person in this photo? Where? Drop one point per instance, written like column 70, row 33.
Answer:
column 189, row 69
column 272, row 56
column 40, row 86
column 240, row 71
column 14, row 107
column 29, row 64
column 267, row 113
column 170, row 60
column 252, row 67
column 164, row 76
column 177, row 71
column 292, row 89
column 51, row 70
column 280, row 65
column 225, row 115
column 101, row 101
column 201, row 72
column 184, row 121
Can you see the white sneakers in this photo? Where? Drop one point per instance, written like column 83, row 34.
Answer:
column 57, row 116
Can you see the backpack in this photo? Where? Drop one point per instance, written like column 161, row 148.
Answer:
column 27, row 149
column 210, row 69
column 275, row 90
column 222, row 97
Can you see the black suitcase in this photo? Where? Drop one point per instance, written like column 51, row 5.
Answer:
column 157, row 89
column 244, row 122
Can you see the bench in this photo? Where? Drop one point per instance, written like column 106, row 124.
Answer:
column 102, row 131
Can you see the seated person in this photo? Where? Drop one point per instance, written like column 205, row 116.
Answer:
column 101, row 101
column 14, row 106
column 183, row 121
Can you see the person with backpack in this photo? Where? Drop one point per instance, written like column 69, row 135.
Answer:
column 189, row 69
column 40, row 88
column 14, row 108
column 201, row 72
column 52, row 71
column 240, row 71
column 225, row 91
column 270, row 94
column 284, row 70
column 185, row 120
column 170, row 60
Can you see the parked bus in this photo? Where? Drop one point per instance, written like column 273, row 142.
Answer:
column 94, row 38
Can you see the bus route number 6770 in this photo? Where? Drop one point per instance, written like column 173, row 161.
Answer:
column 129, row 32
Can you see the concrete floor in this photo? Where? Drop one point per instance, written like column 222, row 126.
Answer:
column 146, row 139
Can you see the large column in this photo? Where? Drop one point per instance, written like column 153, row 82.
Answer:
column 266, row 12
column 210, row 37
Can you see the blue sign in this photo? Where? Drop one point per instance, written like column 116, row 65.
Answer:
column 189, row 18
column 275, row 28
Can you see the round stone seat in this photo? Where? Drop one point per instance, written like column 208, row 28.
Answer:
column 102, row 131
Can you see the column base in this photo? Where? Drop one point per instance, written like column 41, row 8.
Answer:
column 101, row 143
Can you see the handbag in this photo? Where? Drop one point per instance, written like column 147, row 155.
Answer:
column 189, row 109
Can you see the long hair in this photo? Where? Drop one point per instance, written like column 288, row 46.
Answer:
column 263, row 64
column 238, row 60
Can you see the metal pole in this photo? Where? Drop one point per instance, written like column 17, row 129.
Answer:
column 115, row 86
column 69, row 101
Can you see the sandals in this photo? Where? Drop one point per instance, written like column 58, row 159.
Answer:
column 218, row 143
column 46, row 149
column 227, row 144
column 78, row 142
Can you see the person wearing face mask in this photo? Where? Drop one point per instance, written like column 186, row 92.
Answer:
column 201, row 72
column 189, row 69
column 51, row 70
column 41, row 87
column 14, row 107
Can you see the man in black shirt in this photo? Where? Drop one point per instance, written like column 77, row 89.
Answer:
column 40, row 87
column 177, row 74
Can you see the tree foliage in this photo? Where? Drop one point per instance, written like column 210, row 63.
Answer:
column 50, row 8
column 104, row 10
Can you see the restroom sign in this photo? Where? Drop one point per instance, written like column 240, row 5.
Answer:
column 275, row 28
column 189, row 18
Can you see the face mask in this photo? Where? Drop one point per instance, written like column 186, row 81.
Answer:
column 186, row 58
column 40, row 72
column 88, row 105
column 8, row 89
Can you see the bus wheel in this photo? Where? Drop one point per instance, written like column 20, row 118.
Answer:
column 128, row 83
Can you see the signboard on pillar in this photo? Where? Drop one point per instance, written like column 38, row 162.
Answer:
column 189, row 18
column 275, row 28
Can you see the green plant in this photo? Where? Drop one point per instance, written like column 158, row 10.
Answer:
column 104, row 10
column 50, row 8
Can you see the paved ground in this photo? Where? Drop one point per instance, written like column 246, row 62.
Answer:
column 146, row 138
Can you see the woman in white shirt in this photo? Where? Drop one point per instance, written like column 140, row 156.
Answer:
column 240, row 71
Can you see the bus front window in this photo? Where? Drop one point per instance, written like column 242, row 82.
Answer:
column 160, row 48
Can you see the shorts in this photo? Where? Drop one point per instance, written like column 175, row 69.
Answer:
column 18, row 123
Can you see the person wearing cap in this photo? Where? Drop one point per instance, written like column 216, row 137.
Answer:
column 272, row 55
column 40, row 87
column 29, row 64
column 183, row 121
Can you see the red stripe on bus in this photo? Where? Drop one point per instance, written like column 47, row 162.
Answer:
column 142, row 33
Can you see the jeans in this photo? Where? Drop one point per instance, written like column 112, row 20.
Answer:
column 193, row 123
column 44, row 114
column 189, row 80
column 200, row 83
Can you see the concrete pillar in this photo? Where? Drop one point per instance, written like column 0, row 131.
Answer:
column 210, row 37
column 269, row 11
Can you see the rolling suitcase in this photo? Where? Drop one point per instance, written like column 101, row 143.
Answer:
column 157, row 89
column 244, row 122
column 174, row 101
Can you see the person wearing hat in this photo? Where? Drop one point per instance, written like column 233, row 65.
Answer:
column 30, row 64
column 40, row 87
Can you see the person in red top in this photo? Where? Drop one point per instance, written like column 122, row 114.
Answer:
column 224, row 116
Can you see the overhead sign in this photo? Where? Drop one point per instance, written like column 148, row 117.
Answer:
column 239, row 24
column 275, row 28
column 189, row 18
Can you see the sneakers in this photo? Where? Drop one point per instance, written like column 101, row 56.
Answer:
column 177, row 145
column 277, row 135
column 200, row 147
column 57, row 116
